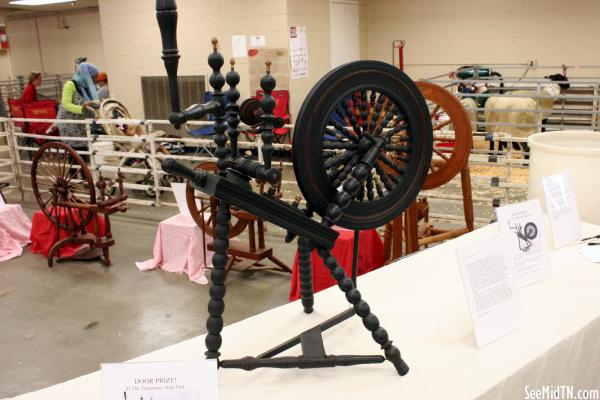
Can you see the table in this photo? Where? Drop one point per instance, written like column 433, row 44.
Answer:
column 421, row 303
column 179, row 247
column 44, row 235
column 14, row 231
column 370, row 257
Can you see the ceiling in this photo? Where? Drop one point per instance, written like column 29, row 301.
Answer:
column 56, row 7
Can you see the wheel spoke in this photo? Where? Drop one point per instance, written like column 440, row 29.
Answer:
column 340, row 175
column 398, row 129
column 341, row 131
column 392, row 164
column 439, row 153
column 329, row 145
column 351, row 118
column 435, row 110
column 339, row 160
column 397, row 147
column 440, row 126
column 328, row 154
column 369, row 184
column 378, row 188
column 384, row 178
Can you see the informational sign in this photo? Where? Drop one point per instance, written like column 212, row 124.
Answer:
column 522, row 227
column 258, row 41
column 562, row 209
column 238, row 46
column 591, row 251
column 298, row 52
column 181, row 380
column 491, row 290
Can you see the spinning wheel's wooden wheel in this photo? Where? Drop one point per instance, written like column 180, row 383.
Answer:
column 61, row 182
column 236, row 226
column 451, row 154
column 356, row 112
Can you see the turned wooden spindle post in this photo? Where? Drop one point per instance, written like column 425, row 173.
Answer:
column 267, row 104
column 216, row 304
column 233, row 109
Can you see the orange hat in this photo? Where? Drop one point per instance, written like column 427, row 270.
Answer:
column 102, row 76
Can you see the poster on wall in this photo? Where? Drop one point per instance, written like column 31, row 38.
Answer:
column 298, row 52
column 238, row 45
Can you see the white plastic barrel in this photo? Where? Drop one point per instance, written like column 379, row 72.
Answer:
column 577, row 152
column 105, row 147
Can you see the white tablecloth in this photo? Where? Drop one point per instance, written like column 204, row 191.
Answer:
column 421, row 302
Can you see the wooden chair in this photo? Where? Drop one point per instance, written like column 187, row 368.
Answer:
column 242, row 256
column 404, row 235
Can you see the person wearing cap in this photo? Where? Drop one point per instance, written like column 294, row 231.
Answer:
column 103, row 86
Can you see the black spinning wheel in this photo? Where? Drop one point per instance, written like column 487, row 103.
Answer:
column 63, row 186
column 356, row 109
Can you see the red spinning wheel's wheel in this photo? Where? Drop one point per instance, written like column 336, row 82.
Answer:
column 61, row 183
column 197, row 210
column 450, row 153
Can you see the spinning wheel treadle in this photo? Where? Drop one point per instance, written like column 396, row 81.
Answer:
column 360, row 110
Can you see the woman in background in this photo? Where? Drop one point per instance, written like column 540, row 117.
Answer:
column 78, row 94
column 30, row 91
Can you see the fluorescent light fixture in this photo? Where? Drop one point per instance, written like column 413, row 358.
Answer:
column 38, row 2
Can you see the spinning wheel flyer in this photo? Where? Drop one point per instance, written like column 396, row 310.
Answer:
column 522, row 228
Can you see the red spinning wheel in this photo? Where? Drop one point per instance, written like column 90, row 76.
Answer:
column 197, row 209
column 63, row 186
column 451, row 148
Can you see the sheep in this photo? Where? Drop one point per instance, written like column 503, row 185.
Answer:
column 522, row 123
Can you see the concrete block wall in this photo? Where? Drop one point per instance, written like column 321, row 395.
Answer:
column 6, row 68
column 314, row 14
column 132, row 40
column 58, row 46
column 460, row 32
column 132, row 44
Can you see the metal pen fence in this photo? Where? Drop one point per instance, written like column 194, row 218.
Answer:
column 50, row 88
column 498, row 176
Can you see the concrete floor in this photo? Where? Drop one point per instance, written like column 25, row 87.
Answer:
column 59, row 323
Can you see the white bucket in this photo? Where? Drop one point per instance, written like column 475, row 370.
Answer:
column 105, row 147
column 577, row 152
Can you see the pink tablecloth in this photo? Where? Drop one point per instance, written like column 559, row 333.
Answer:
column 14, row 231
column 178, row 248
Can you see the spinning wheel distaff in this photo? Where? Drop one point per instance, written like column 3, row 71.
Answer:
column 349, row 177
